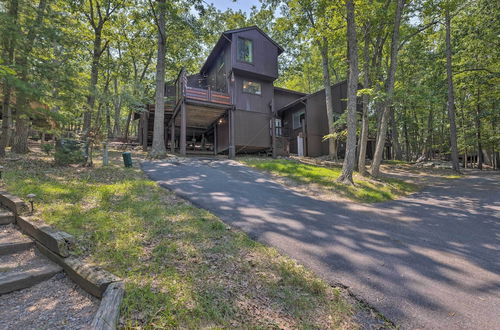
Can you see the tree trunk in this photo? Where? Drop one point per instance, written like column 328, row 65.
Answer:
column 366, row 100
column 407, row 140
column 352, row 87
column 20, row 141
column 480, row 159
column 451, row 96
column 127, row 125
column 158, row 148
column 94, row 76
column 332, row 146
column 9, row 43
column 118, row 104
column 396, row 153
column 381, row 136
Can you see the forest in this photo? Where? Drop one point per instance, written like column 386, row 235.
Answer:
column 429, row 69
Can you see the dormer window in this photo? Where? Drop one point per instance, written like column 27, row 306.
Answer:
column 245, row 50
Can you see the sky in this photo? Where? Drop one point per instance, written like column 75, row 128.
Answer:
column 244, row 5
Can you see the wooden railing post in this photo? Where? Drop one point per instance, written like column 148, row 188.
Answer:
column 184, row 81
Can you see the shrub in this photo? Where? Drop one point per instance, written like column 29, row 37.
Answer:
column 70, row 152
column 47, row 148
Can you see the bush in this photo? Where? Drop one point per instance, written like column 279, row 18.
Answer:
column 47, row 148
column 70, row 152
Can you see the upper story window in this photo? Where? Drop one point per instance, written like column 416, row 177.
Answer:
column 252, row 87
column 245, row 50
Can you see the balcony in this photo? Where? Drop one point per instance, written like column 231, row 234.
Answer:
column 207, row 95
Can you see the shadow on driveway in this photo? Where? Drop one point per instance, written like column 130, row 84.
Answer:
column 431, row 260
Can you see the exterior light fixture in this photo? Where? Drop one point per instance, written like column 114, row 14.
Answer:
column 31, row 198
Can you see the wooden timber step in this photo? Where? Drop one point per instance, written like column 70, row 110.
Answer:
column 36, row 270
column 6, row 217
column 12, row 241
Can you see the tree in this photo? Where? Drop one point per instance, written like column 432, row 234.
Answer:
column 97, row 15
column 20, row 141
column 315, row 13
column 352, row 88
column 158, row 149
column 451, row 95
column 363, row 140
column 9, row 36
column 389, row 90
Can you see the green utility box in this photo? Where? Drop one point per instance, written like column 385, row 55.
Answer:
column 127, row 159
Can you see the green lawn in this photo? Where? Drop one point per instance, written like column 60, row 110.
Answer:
column 365, row 189
column 182, row 266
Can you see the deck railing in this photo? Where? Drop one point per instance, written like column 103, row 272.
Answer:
column 197, row 94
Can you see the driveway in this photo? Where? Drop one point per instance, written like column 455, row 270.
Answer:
column 431, row 260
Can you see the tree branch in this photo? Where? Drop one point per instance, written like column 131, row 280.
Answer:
column 421, row 29
column 496, row 74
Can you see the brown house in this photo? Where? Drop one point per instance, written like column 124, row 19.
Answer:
column 231, row 106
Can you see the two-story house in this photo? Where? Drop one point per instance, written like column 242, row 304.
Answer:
column 231, row 106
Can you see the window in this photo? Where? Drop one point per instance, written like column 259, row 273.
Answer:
column 245, row 50
column 297, row 119
column 278, row 127
column 252, row 87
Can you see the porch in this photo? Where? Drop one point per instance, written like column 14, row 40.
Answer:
column 191, row 117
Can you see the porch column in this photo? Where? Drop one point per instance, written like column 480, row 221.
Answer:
column 232, row 147
column 182, row 141
column 172, row 135
column 145, row 130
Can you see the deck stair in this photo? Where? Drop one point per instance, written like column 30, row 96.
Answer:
column 21, row 264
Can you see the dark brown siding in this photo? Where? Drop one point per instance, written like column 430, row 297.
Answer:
column 265, row 55
column 317, row 123
column 282, row 98
column 252, row 130
column 252, row 102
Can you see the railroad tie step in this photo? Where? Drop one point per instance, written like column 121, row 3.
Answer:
column 6, row 217
column 18, row 280
column 12, row 241
column 15, row 245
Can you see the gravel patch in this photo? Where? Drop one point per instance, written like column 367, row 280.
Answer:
column 10, row 232
column 22, row 261
column 57, row 303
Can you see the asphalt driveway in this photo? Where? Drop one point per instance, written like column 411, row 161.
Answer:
column 430, row 261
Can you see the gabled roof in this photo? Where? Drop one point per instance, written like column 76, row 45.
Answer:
column 226, row 38
column 285, row 90
column 255, row 27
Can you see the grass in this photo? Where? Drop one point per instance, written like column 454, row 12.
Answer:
column 182, row 266
column 365, row 189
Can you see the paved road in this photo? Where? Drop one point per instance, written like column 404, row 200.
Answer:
column 428, row 261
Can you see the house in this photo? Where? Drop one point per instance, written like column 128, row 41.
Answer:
column 232, row 106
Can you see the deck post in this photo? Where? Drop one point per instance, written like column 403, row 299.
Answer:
column 215, row 139
column 145, row 130
column 172, row 135
column 232, row 147
column 183, row 129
